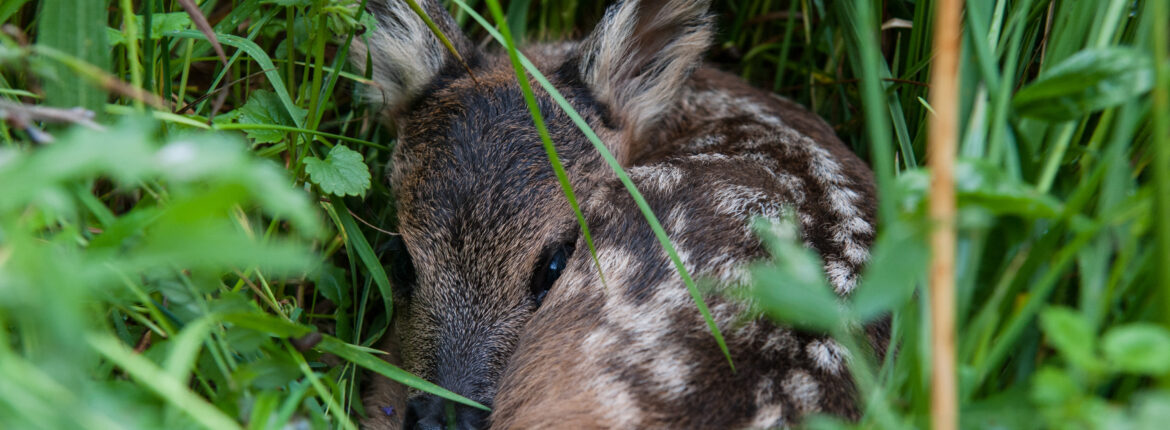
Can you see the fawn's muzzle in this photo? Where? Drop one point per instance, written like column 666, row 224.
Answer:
column 430, row 412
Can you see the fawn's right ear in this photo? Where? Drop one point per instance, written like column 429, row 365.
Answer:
column 639, row 57
column 403, row 52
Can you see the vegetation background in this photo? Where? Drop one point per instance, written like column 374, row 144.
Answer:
column 205, row 251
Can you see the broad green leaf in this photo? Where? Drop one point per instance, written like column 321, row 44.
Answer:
column 791, row 287
column 1052, row 386
column 1086, row 82
column 981, row 184
column 76, row 28
column 364, row 359
column 1070, row 334
column 1009, row 409
column 1138, row 348
column 268, row 373
column 159, row 23
column 898, row 263
column 341, row 173
column 333, row 283
column 265, row 107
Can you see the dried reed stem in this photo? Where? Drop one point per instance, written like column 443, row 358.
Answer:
column 944, row 97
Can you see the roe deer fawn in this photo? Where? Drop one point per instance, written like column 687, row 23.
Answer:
column 500, row 294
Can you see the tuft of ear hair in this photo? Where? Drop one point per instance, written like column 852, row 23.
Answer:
column 403, row 52
column 638, row 58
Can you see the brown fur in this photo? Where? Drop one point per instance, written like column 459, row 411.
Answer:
column 479, row 209
column 612, row 356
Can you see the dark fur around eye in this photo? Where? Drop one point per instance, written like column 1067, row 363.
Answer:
column 550, row 266
column 401, row 268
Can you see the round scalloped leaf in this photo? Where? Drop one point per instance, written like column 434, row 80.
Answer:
column 342, row 172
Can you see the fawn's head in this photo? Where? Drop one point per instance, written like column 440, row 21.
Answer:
column 480, row 210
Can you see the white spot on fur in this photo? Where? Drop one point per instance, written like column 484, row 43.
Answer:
column 803, row 390
column 770, row 412
column 663, row 177
column 617, row 404
column 840, row 276
column 779, row 342
column 768, row 416
column 827, row 355
column 670, row 371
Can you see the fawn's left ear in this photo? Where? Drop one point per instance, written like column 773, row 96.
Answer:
column 403, row 52
column 641, row 54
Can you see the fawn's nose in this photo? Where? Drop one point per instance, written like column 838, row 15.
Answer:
column 431, row 413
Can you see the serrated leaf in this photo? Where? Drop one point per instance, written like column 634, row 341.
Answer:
column 264, row 107
column 1138, row 348
column 342, row 172
column 1088, row 81
column 1070, row 334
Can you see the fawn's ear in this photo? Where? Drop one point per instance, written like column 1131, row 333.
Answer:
column 640, row 55
column 403, row 52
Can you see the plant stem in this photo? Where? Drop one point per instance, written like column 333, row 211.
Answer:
column 944, row 97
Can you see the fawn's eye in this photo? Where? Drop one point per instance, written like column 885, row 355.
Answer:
column 401, row 265
column 550, row 268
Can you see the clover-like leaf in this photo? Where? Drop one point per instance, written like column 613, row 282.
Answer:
column 341, row 173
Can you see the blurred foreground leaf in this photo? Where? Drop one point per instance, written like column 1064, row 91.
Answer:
column 1088, row 81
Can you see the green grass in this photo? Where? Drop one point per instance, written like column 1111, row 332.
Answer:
column 167, row 270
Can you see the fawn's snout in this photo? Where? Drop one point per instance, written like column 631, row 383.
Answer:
column 430, row 412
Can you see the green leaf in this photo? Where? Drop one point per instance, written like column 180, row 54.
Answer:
column 166, row 386
column 1071, row 334
column 333, row 283
column 1052, row 386
column 356, row 243
column 366, row 360
column 341, row 173
column 266, row 323
column 159, row 23
column 1088, row 81
column 265, row 107
column 262, row 59
column 792, row 288
column 1138, row 348
column 981, row 184
column 301, row 3
column 77, row 29
column 898, row 263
